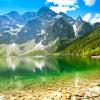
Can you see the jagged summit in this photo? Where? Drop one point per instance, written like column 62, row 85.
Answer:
column 44, row 9
column 79, row 19
column 81, row 27
column 45, row 12
column 13, row 13
column 67, row 18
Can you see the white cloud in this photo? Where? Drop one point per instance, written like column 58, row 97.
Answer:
column 87, row 17
column 63, row 2
column 92, row 19
column 89, row 2
column 63, row 5
column 62, row 8
column 95, row 19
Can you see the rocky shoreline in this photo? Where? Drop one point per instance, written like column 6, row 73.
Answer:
column 83, row 91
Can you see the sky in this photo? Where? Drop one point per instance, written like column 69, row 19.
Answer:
column 89, row 10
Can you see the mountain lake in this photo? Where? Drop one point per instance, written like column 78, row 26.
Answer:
column 49, row 78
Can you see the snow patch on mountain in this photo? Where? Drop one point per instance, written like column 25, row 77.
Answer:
column 58, row 16
column 40, row 46
column 42, row 32
column 10, row 18
column 75, row 30
column 20, row 26
column 13, row 31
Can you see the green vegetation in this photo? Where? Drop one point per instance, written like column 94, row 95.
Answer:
column 86, row 45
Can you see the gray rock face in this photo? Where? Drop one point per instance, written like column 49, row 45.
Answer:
column 69, row 19
column 46, row 13
column 59, row 29
column 27, row 16
column 43, row 27
column 81, row 27
column 96, row 25
column 48, row 26
column 30, row 31
column 12, row 23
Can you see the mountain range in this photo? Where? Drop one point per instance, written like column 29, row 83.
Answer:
column 45, row 30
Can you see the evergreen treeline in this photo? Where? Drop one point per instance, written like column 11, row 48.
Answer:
column 85, row 45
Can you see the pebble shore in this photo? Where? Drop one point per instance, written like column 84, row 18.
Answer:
column 83, row 91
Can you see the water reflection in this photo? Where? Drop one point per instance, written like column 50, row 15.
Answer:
column 48, row 64
column 76, row 80
column 30, row 63
column 11, row 62
column 76, row 83
column 39, row 64
column 19, row 71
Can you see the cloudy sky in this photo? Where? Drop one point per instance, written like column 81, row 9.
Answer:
column 88, row 9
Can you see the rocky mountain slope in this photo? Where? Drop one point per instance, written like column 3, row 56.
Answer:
column 42, row 31
column 85, row 45
column 11, row 24
column 81, row 27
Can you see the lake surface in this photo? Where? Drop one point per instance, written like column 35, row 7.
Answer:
column 40, row 73
column 21, row 72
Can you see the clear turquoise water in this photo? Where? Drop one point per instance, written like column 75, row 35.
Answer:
column 32, row 71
